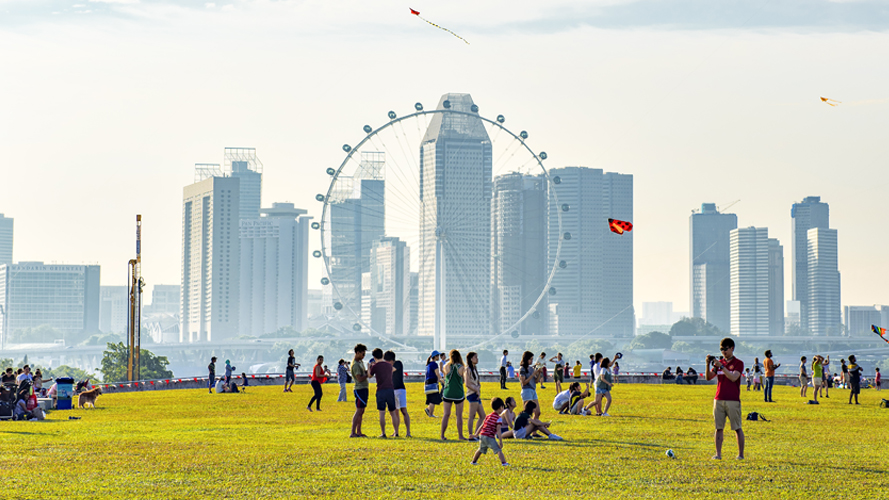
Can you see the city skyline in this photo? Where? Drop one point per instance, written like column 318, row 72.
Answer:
column 662, row 83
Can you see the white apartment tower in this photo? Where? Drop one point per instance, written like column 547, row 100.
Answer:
column 274, row 270
column 210, row 259
column 6, row 227
column 455, row 224
column 593, row 287
column 823, row 298
column 749, row 270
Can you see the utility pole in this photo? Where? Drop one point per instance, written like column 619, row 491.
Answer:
column 135, row 310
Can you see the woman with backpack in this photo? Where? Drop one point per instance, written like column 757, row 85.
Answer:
column 433, row 375
column 453, row 394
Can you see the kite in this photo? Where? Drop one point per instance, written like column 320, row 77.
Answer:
column 881, row 332
column 417, row 13
column 619, row 226
column 830, row 101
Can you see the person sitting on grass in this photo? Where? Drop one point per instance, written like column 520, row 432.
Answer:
column 220, row 385
column 490, row 434
column 727, row 402
column 571, row 399
column 507, row 418
column 526, row 425
column 243, row 381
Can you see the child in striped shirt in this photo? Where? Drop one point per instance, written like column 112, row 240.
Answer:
column 489, row 436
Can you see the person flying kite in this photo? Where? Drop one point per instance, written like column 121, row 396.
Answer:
column 829, row 101
column 619, row 226
column 881, row 332
column 417, row 13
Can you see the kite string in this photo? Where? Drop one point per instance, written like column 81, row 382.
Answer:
column 442, row 28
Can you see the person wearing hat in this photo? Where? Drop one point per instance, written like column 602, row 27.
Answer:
column 433, row 375
column 212, row 377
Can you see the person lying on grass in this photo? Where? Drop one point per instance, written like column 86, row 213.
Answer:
column 490, row 434
column 526, row 425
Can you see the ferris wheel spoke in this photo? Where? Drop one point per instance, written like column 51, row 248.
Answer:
column 411, row 194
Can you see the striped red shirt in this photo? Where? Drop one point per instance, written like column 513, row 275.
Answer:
column 489, row 427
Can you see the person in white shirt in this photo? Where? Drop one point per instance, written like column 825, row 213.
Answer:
column 503, row 362
column 26, row 375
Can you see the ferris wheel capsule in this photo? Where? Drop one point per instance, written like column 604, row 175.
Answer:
column 542, row 155
column 316, row 254
column 418, row 107
column 566, row 236
column 316, row 225
column 392, row 115
column 325, row 281
column 330, row 171
column 338, row 305
column 474, row 108
column 446, row 104
column 552, row 290
column 563, row 264
column 357, row 327
column 523, row 134
column 565, row 207
column 501, row 118
column 557, row 180
column 347, row 148
column 319, row 197
column 367, row 129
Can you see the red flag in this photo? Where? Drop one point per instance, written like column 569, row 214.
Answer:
column 414, row 12
column 619, row 226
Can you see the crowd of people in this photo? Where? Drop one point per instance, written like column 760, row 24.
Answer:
column 19, row 390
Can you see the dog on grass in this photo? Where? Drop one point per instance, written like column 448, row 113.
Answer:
column 89, row 397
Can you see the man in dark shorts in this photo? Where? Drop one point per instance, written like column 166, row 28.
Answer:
column 854, row 379
column 212, row 368
column 727, row 403
column 382, row 370
column 503, row 362
column 359, row 375
column 289, row 375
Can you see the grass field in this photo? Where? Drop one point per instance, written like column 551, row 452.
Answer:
column 264, row 444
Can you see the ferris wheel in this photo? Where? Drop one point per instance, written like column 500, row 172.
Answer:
column 435, row 224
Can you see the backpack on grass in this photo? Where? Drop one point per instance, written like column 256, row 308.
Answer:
column 884, row 403
column 756, row 416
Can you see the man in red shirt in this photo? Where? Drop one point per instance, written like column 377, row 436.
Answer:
column 727, row 403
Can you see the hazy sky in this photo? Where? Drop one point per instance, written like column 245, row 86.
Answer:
column 107, row 105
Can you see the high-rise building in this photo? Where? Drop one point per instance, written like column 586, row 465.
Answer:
column 210, row 260
column 243, row 164
column 776, row 287
column 709, row 265
column 114, row 309
column 823, row 290
column 455, row 224
column 164, row 300
column 656, row 313
column 6, row 226
column 805, row 215
column 274, row 270
column 357, row 220
column 593, row 288
column 749, row 282
column 34, row 294
column 415, row 302
column 859, row 319
column 791, row 320
column 518, row 252
column 388, row 303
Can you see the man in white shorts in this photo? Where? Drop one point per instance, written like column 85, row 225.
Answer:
column 400, row 390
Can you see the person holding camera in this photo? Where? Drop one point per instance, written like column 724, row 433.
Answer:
column 528, row 376
column 770, row 368
column 727, row 371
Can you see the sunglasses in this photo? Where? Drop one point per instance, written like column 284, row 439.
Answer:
column 723, row 349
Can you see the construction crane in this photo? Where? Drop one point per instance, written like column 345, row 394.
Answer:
column 135, row 310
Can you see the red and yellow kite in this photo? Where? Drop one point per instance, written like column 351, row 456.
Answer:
column 417, row 13
column 619, row 226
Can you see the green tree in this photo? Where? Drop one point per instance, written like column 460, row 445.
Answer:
column 114, row 364
column 68, row 371
column 694, row 327
column 651, row 340
column 581, row 350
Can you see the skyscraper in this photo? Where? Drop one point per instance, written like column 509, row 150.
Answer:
column 860, row 318
column 274, row 270
column 805, row 215
column 357, row 220
column 709, row 265
column 34, row 294
column 210, row 259
column 518, row 251
column 243, row 164
column 114, row 309
column 455, row 224
column 823, row 290
column 388, row 309
column 593, row 292
column 6, row 226
column 749, row 283
column 776, row 287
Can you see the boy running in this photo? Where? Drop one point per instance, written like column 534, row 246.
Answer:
column 489, row 436
column 359, row 375
column 727, row 402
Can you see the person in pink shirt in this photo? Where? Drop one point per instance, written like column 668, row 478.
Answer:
column 877, row 379
column 727, row 371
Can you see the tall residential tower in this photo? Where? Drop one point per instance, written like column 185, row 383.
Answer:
column 709, row 265
column 807, row 214
column 6, row 226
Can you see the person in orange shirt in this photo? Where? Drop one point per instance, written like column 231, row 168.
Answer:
column 770, row 367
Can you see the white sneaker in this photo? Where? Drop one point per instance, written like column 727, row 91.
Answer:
column 606, row 415
column 505, row 464
column 555, row 437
